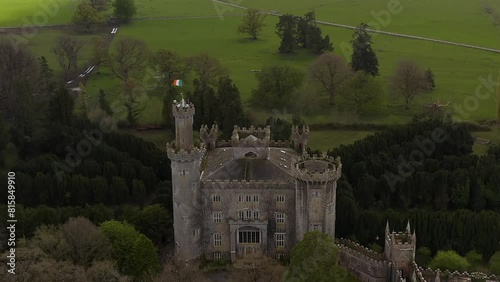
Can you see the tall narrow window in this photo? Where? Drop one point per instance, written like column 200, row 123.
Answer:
column 217, row 216
column 216, row 198
column 217, row 239
column 280, row 198
column 280, row 240
column 280, row 218
column 256, row 198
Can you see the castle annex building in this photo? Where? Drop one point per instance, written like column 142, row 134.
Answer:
column 248, row 196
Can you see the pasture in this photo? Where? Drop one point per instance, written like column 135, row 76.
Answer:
column 458, row 70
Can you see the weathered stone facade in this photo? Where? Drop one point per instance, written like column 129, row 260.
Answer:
column 249, row 196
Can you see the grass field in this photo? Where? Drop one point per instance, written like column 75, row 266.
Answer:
column 457, row 69
column 36, row 12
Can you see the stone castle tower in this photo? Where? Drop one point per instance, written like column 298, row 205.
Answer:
column 185, row 162
column 399, row 249
column 316, row 179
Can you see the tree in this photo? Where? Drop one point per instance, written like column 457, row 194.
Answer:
column 177, row 271
column 133, row 252
column 61, row 107
column 86, row 242
column 17, row 69
column 130, row 59
column 408, row 81
column 170, row 66
column 155, row 222
column 287, row 31
column 253, row 22
column 99, row 51
column 87, row 16
column 363, row 57
column 281, row 129
column 166, row 113
column 309, row 34
column 315, row 258
column 449, row 260
column 495, row 263
column 46, row 78
column 104, row 104
column 230, row 110
column 330, row 71
column 429, row 75
column 208, row 68
column 105, row 271
column 277, row 84
column 67, row 50
column 100, row 5
column 83, row 100
column 361, row 91
column 124, row 10
column 51, row 241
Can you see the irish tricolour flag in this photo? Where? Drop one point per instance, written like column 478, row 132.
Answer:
column 178, row 82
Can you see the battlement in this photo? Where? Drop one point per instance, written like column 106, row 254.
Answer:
column 318, row 168
column 363, row 257
column 242, row 184
column 182, row 109
column 280, row 143
column 360, row 248
column 400, row 239
column 197, row 153
column 259, row 132
column 427, row 274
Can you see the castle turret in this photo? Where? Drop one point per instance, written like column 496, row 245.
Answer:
column 316, row 179
column 186, row 161
column 400, row 249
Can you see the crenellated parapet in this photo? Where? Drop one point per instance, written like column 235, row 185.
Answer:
column 195, row 154
column 427, row 274
column 252, row 137
column 182, row 109
column 318, row 169
column 360, row 248
column 280, row 143
column 241, row 184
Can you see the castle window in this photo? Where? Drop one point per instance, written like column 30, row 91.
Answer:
column 249, row 237
column 217, row 256
column 279, row 256
column 216, row 198
column 256, row 198
column 195, row 232
column 280, row 218
column 217, row 217
column 217, row 239
column 280, row 198
column 182, row 172
column 280, row 240
column 316, row 193
column 248, row 215
column 248, row 198
column 317, row 227
column 255, row 215
column 240, row 198
column 186, row 219
column 241, row 215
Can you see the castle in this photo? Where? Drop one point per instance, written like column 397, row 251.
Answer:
column 251, row 196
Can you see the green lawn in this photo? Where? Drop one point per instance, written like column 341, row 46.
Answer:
column 36, row 12
column 493, row 135
column 328, row 139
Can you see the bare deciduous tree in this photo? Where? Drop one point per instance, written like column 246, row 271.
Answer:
column 207, row 68
column 67, row 50
column 253, row 22
column 330, row 71
column 170, row 66
column 176, row 271
column 130, row 59
column 86, row 242
column 408, row 81
column 265, row 269
column 99, row 51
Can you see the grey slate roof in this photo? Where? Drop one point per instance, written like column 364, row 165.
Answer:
column 220, row 165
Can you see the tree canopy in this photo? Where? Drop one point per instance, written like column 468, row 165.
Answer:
column 363, row 57
column 124, row 10
column 253, row 22
column 449, row 260
column 315, row 258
